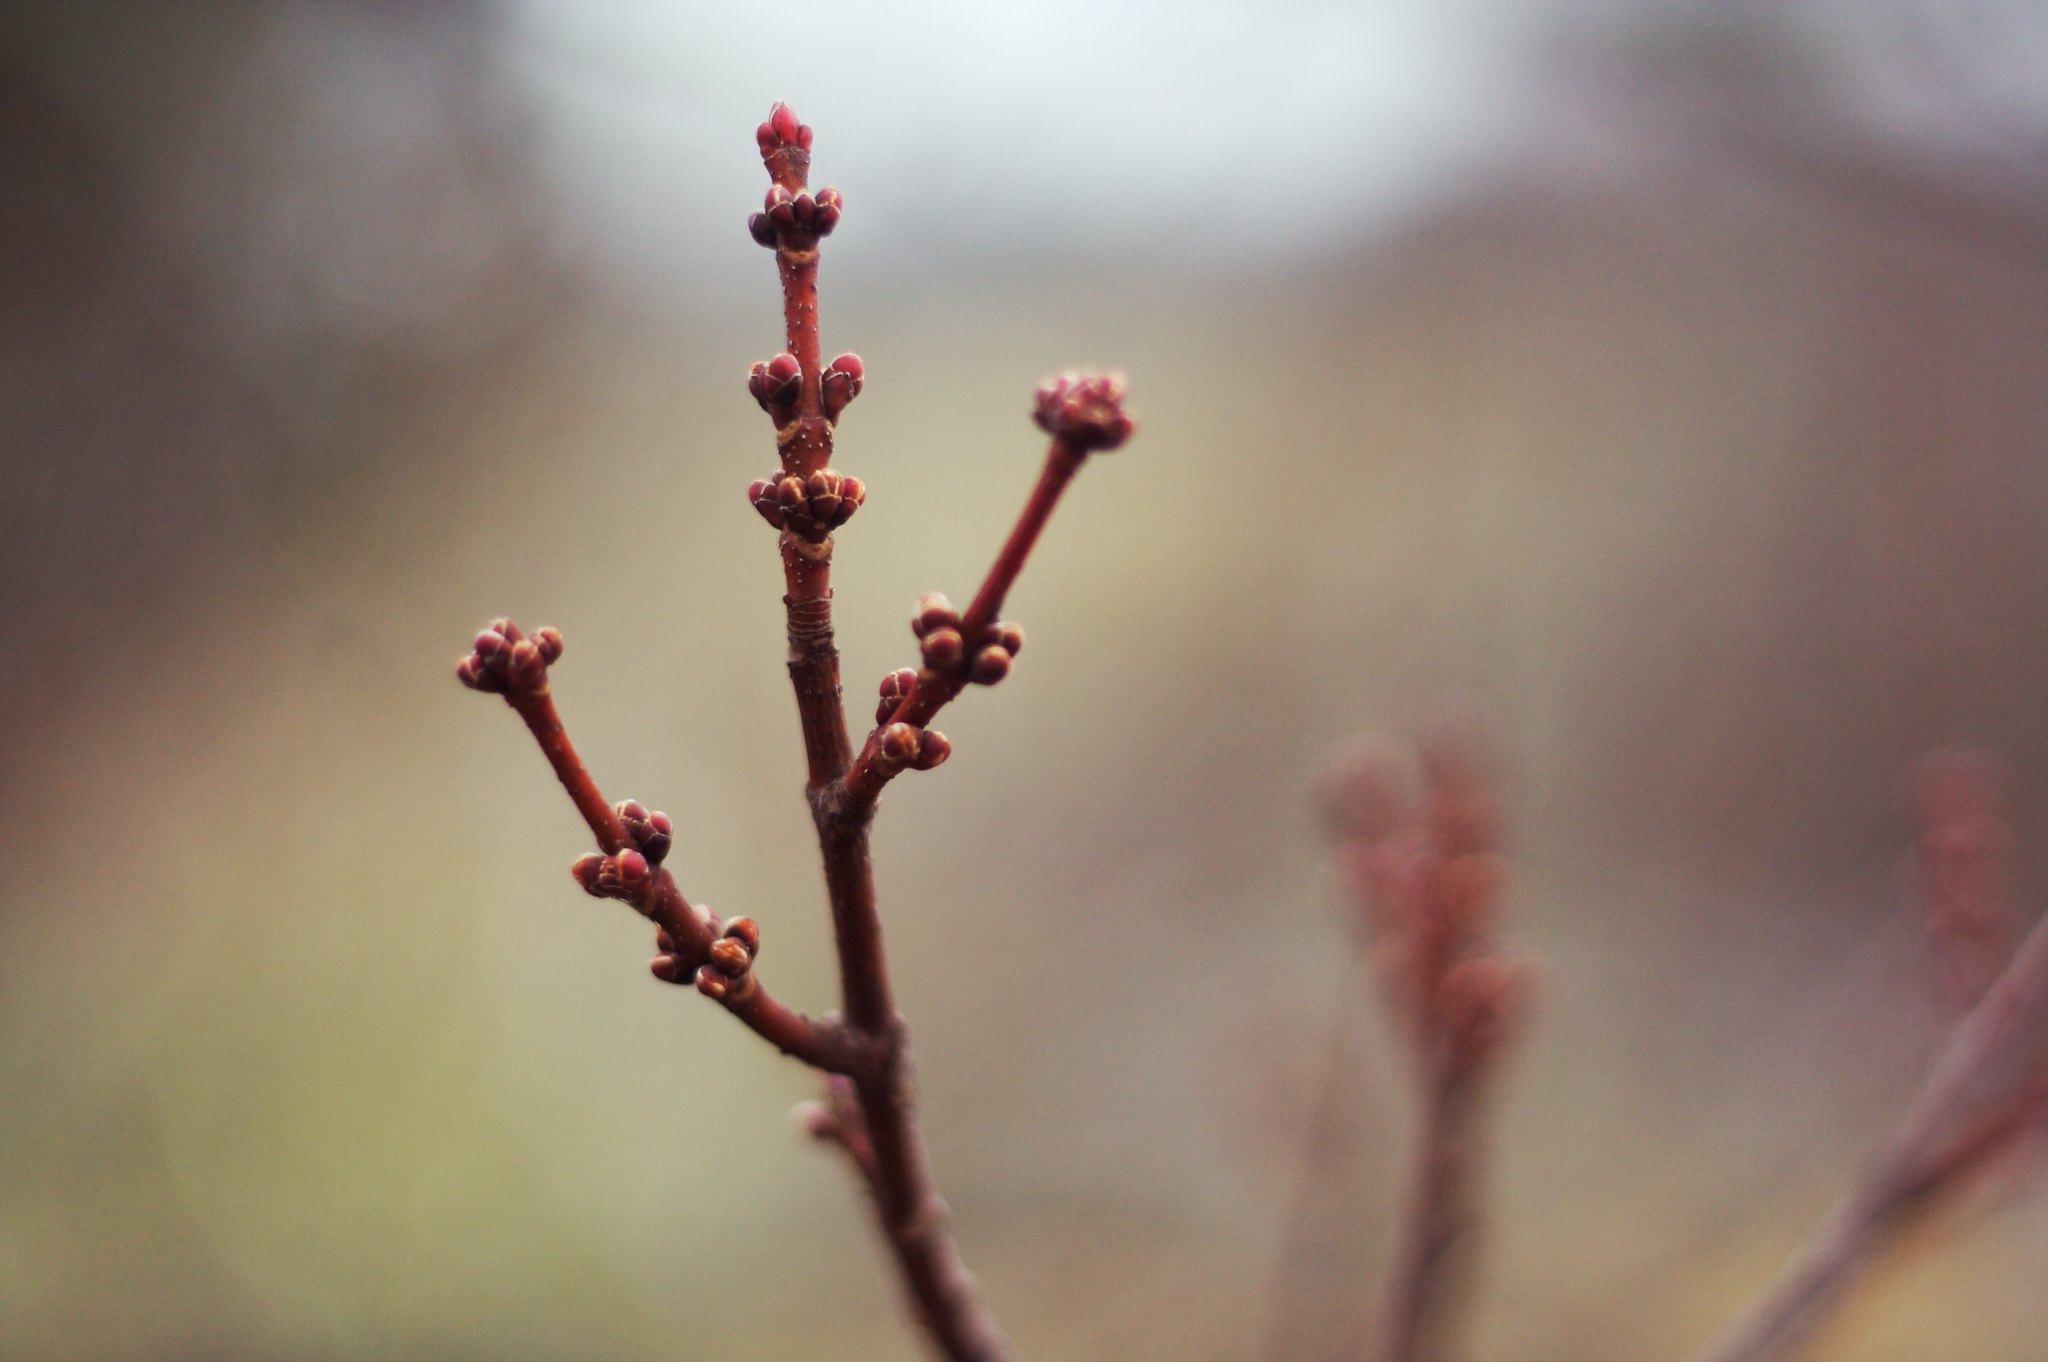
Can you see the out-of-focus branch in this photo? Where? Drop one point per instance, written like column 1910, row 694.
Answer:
column 1988, row 1088
column 1427, row 882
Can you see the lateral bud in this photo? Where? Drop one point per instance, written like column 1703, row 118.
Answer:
column 809, row 508
column 652, row 832
column 932, row 750
column 901, row 744
column 897, row 687
column 934, row 611
column 990, row 665
column 943, row 649
column 841, row 384
column 777, row 384
column 588, row 870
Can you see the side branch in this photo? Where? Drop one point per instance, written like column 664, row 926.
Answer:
column 1083, row 413
column 1986, row 1088
column 634, row 843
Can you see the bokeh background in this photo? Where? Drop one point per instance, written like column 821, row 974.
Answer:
column 1670, row 378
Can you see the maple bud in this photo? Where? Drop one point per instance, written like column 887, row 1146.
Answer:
column 900, row 743
column 943, row 649
column 1085, row 411
column 933, row 612
column 991, row 665
column 588, row 870
column 841, row 384
column 932, row 750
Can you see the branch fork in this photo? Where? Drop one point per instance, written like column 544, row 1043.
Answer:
column 862, row 1051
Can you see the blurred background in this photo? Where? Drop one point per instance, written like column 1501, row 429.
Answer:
column 1671, row 378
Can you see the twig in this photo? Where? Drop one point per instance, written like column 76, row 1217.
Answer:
column 1985, row 1090
column 635, row 842
column 870, row 1109
column 1426, row 883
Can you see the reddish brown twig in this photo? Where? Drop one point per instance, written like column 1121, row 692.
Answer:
column 635, row 842
column 1082, row 413
column 869, row 1110
column 1960, row 873
column 1988, row 1088
column 875, row 1113
column 1426, row 883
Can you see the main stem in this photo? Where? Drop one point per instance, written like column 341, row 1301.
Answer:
column 1429, row 1277
column 912, row 1217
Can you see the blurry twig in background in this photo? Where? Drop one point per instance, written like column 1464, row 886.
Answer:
column 1425, row 881
column 1961, row 873
column 1988, row 1089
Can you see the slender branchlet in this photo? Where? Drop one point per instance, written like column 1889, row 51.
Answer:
column 1425, row 880
column 868, row 1109
column 1988, row 1090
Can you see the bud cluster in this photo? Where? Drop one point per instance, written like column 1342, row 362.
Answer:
column 906, row 745
column 946, row 647
column 626, row 876
column 809, row 508
column 795, row 221
column 652, row 832
column 504, row 660
column 1084, row 410
column 1429, row 885
column 729, row 972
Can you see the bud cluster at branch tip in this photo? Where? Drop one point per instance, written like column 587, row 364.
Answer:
column 782, row 132
column 809, row 508
column 1423, row 871
column 791, row 219
column 1086, row 411
column 503, row 660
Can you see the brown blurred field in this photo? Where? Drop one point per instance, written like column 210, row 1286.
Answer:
column 1693, row 424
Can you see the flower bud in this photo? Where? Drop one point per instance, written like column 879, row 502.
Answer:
column 934, row 611
column 525, row 668
column 589, row 871
column 761, row 494
column 991, row 665
column 900, row 743
column 932, row 751
column 943, row 649
column 841, row 384
column 897, row 686
column 632, row 869
column 729, row 957
column 747, row 932
column 826, row 215
column 1084, row 410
